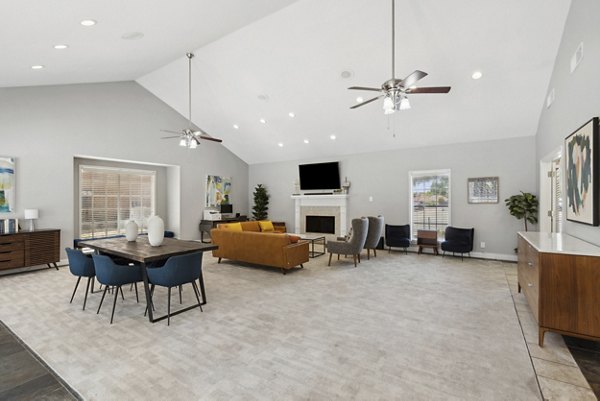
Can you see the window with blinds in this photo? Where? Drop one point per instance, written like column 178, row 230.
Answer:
column 430, row 201
column 109, row 197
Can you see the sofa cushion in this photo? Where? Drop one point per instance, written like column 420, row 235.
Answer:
column 266, row 226
column 250, row 226
column 231, row 226
column 293, row 238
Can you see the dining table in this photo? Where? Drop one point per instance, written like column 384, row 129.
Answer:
column 142, row 252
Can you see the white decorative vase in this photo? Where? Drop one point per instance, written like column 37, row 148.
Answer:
column 131, row 231
column 156, row 230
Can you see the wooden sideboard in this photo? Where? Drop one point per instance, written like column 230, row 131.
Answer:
column 206, row 225
column 560, row 278
column 30, row 248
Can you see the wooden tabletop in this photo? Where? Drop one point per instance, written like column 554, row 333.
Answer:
column 141, row 250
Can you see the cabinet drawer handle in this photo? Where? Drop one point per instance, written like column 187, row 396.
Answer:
column 529, row 264
column 529, row 285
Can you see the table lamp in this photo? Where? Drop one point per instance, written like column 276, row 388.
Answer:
column 31, row 215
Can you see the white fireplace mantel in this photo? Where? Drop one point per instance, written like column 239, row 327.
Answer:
column 339, row 201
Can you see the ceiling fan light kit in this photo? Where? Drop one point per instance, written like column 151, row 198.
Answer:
column 394, row 91
column 188, row 137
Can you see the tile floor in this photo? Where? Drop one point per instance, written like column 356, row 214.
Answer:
column 398, row 327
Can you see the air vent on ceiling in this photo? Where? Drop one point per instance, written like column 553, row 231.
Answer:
column 577, row 57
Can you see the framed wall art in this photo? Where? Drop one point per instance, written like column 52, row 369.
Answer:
column 581, row 164
column 7, row 184
column 218, row 190
column 483, row 190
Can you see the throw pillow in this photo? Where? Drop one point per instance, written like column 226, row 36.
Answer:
column 293, row 239
column 231, row 226
column 266, row 226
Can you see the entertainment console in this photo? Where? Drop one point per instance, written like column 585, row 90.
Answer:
column 30, row 248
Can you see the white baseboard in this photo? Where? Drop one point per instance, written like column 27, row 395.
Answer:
column 479, row 255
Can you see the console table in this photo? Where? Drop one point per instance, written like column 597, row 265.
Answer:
column 30, row 248
column 560, row 277
column 206, row 225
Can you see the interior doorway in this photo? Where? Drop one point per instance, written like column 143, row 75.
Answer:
column 551, row 194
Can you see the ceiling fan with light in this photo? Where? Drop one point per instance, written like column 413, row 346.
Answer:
column 395, row 91
column 187, row 136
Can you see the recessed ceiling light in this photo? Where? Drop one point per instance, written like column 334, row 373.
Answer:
column 306, row 141
column 346, row 74
column 236, row 126
column 292, row 114
column 359, row 99
column 263, row 121
column 132, row 36
column 37, row 67
column 332, row 137
column 477, row 75
column 60, row 47
column 280, row 145
column 88, row 22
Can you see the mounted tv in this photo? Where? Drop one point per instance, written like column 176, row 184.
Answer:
column 319, row 176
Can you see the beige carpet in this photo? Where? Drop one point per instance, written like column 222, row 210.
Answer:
column 406, row 327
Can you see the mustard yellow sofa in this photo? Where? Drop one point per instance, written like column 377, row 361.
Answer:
column 245, row 242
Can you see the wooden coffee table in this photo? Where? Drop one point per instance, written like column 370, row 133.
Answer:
column 313, row 238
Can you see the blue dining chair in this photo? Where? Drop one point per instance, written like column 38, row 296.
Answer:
column 113, row 275
column 178, row 270
column 80, row 265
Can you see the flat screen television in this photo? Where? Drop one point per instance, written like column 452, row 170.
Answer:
column 226, row 208
column 319, row 176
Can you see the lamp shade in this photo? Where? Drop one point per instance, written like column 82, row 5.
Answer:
column 32, row 213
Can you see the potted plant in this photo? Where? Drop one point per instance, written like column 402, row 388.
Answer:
column 523, row 206
column 261, row 203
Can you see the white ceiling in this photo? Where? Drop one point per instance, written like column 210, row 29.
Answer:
column 294, row 52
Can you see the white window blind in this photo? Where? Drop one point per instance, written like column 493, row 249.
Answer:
column 430, row 201
column 109, row 197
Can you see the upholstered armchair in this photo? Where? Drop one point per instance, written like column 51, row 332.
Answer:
column 354, row 245
column 458, row 240
column 397, row 237
column 373, row 235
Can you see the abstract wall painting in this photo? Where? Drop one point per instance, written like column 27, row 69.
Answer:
column 7, row 184
column 218, row 190
column 581, row 163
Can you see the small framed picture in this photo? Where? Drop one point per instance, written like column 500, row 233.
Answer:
column 483, row 190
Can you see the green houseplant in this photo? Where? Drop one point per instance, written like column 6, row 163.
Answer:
column 261, row 203
column 523, row 206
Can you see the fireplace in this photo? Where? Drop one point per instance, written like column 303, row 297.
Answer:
column 335, row 206
column 320, row 224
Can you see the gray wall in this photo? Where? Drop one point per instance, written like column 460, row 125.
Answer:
column 385, row 177
column 577, row 94
column 45, row 128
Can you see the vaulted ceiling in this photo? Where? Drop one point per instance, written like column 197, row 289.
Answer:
column 264, row 59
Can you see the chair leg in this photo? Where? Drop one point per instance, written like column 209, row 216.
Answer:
column 358, row 257
column 115, row 303
column 93, row 281
column 338, row 256
column 406, row 251
column 389, row 249
column 75, row 290
column 87, row 287
column 131, row 287
column 374, row 252
column 169, row 308
column 368, row 254
column 102, row 300
column 137, row 298
column 121, row 289
column 180, row 300
column 354, row 257
column 219, row 261
column 197, row 292
column 330, row 255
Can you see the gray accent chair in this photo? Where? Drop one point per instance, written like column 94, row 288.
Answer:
column 354, row 245
column 374, row 235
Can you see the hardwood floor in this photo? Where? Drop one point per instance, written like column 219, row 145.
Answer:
column 23, row 376
column 587, row 355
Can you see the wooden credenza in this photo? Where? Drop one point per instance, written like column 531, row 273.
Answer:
column 29, row 248
column 560, row 278
column 206, row 225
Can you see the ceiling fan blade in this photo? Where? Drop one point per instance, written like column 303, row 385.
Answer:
column 430, row 89
column 366, row 102
column 171, row 132
column 209, row 138
column 364, row 88
column 413, row 78
column 169, row 137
